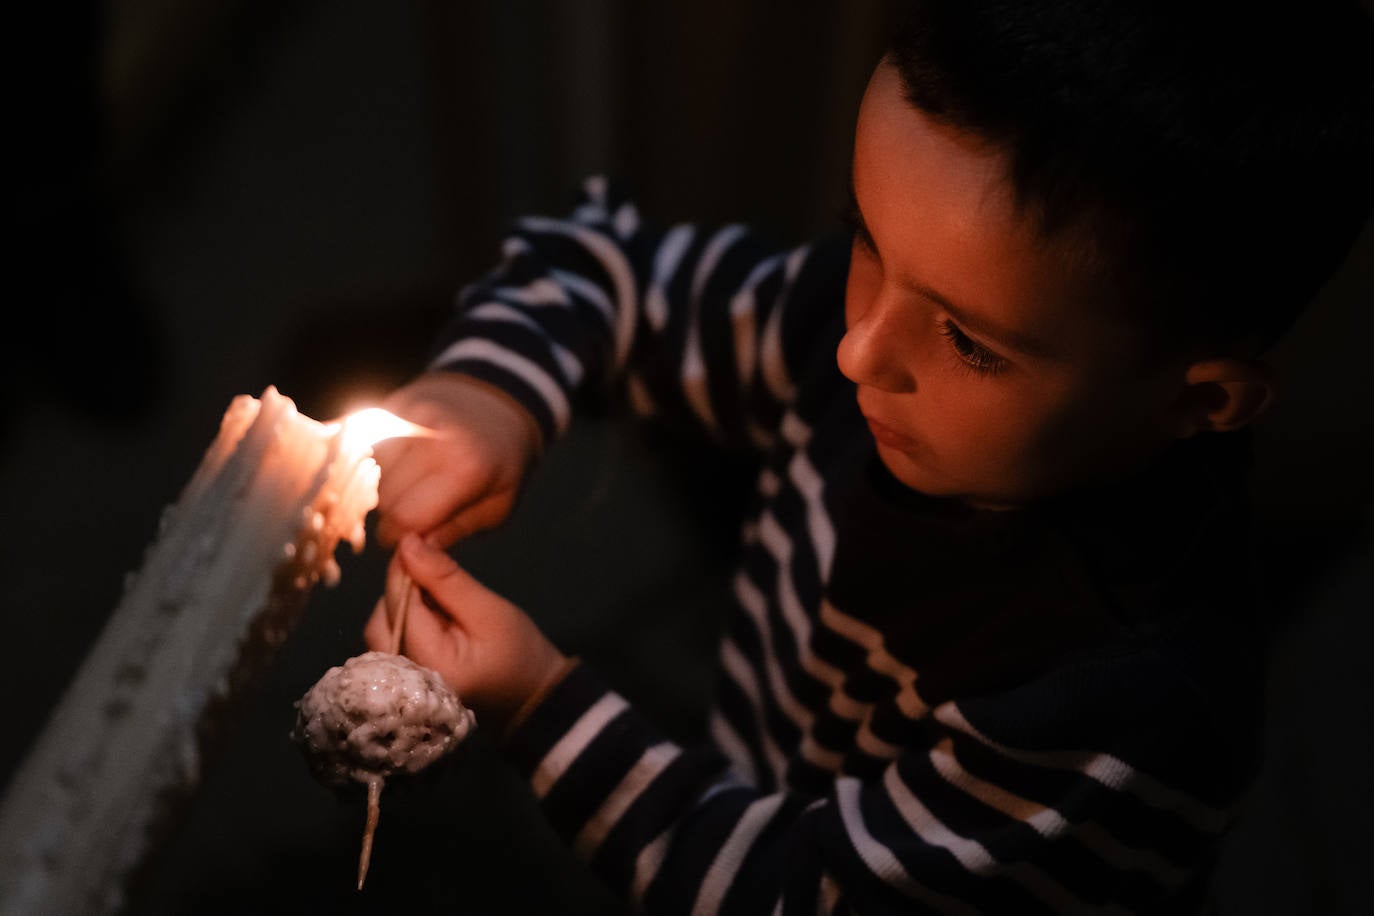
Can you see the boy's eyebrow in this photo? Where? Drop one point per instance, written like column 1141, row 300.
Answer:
column 1012, row 339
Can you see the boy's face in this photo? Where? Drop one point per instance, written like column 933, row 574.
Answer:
column 989, row 368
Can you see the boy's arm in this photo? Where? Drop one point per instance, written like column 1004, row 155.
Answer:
column 1100, row 788
column 705, row 328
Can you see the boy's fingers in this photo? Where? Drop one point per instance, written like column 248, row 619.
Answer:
column 403, row 466
column 426, row 503
column 435, row 571
column 488, row 513
column 429, row 639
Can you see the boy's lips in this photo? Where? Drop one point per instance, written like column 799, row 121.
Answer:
column 886, row 435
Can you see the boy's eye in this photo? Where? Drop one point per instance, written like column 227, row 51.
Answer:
column 973, row 354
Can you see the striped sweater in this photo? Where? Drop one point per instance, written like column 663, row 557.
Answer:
column 921, row 707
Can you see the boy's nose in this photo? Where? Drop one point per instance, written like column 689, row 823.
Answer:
column 872, row 353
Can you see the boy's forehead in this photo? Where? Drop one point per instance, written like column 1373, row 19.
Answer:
column 939, row 204
column 899, row 137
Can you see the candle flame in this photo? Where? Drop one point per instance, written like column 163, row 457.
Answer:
column 363, row 429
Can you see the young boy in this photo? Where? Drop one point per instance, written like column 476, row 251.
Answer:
column 993, row 647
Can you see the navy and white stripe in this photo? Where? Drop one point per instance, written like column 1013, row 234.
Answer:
column 851, row 769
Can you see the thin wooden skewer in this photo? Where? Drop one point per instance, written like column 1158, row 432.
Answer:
column 374, row 785
column 374, row 811
column 399, row 631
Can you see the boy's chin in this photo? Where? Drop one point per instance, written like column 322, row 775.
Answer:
column 911, row 473
column 915, row 475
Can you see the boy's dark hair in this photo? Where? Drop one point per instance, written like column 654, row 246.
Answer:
column 1216, row 157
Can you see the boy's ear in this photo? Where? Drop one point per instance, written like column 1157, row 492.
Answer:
column 1223, row 394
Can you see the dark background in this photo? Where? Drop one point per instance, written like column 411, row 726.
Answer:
column 220, row 196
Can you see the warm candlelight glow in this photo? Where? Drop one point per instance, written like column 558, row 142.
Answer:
column 363, row 429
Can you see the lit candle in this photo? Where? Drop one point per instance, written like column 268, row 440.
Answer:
column 220, row 588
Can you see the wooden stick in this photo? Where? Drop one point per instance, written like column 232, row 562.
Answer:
column 374, row 811
column 400, row 628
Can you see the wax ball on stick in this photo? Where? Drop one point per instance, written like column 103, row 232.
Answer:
column 376, row 715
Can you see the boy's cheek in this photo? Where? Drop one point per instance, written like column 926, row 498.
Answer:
column 978, row 441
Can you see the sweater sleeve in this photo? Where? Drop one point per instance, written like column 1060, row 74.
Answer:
column 1099, row 789
column 699, row 327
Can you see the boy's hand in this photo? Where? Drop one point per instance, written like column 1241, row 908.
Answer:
column 487, row 649
column 465, row 479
